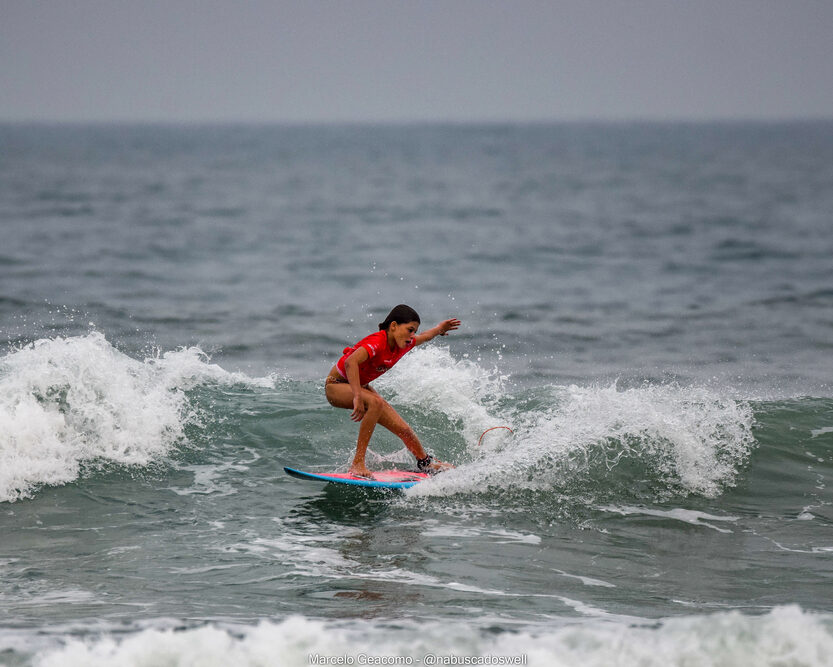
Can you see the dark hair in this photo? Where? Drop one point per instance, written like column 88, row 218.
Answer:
column 402, row 314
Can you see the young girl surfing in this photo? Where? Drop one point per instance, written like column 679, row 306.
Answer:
column 348, row 384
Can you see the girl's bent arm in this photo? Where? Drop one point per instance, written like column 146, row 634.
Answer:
column 351, row 368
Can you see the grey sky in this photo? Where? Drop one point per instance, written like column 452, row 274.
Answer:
column 398, row 60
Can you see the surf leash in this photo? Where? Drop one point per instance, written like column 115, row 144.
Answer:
column 492, row 429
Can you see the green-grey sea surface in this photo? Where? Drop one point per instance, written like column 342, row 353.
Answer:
column 646, row 306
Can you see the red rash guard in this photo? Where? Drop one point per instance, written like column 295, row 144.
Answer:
column 381, row 358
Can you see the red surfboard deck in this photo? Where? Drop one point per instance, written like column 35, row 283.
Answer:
column 382, row 479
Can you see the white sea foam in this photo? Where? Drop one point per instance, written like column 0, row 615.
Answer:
column 690, row 437
column 587, row 581
column 783, row 636
column 206, row 480
column 501, row 536
column 429, row 377
column 693, row 517
column 67, row 402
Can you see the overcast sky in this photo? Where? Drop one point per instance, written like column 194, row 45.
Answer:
column 414, row 60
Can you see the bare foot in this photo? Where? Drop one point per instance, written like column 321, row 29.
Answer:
column 360, row 471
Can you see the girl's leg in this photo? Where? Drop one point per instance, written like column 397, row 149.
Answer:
column 378, row 411
column 341, row 396
column 392, row 421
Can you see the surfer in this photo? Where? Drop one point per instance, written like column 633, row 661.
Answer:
column 348, row 384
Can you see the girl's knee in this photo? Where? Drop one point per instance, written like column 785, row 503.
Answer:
column 375, row 403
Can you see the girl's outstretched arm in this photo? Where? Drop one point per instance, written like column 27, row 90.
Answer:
column 440, row 330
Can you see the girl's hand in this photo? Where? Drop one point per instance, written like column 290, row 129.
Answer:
column 448, row 325
column 358, row 409
column 441, row 329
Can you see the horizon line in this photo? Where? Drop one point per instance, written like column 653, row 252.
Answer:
column 369, row 122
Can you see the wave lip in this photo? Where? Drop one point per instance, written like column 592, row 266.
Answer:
column 70, row 402
column 649, row 442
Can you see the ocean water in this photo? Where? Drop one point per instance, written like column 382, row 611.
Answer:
column 649, row 308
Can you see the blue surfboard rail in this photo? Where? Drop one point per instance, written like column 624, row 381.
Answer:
column 416, row 478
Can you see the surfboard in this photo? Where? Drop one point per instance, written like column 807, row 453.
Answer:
column 382, row 479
